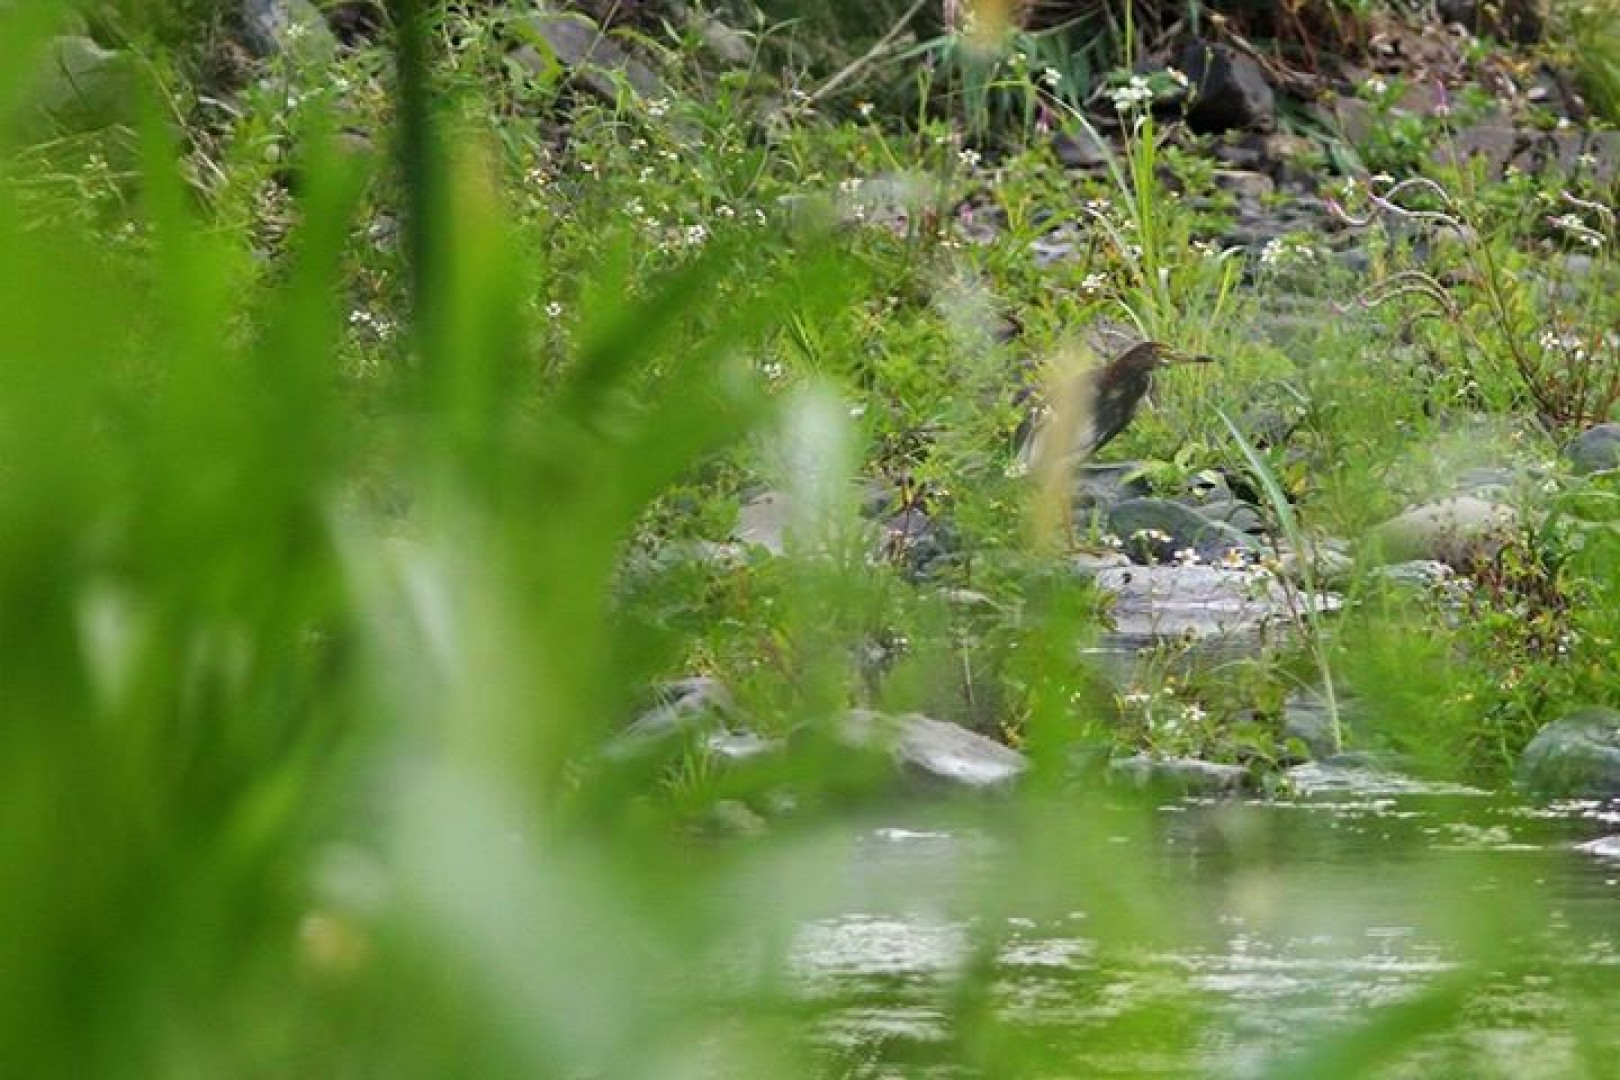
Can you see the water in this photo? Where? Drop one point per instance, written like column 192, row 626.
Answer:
column 1224, row 939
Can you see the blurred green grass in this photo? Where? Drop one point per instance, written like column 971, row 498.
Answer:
column 296, row 784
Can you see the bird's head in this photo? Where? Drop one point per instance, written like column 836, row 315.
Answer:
column 1152, row 355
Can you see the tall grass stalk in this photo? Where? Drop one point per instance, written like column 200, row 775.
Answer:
column 1311, row 616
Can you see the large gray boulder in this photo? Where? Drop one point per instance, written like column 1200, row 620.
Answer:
column 574, row 45
column 81, row 87
column 1597, row 449
column 1164, row 603
column 1575, row 757
column 1229, row 89
column 942, row 755
column 1460, row 532
column 294, row 28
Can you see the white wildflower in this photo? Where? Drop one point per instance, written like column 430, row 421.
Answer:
column 1052, row 77
column 1133, row 95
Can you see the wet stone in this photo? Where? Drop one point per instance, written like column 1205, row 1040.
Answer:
column 1157, row 603
column 1108, row 484
column 941, row 755
column 1575, row 757
column 1596, row 449
column 1181, row 775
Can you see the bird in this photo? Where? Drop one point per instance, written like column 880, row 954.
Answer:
column 1088, row 409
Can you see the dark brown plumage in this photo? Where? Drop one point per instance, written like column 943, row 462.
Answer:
column 1106, row 398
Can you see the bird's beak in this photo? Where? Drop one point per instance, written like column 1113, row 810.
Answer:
column 1176, row 356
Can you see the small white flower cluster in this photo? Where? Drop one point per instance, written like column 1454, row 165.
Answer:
column 1186, row 556
column 1094, row 284
column 380, row 326
column 1152, row 536
column 1579, row 230
column 1052, row 78
column 657, row 107
column 1172, row 720
column 1571, row 345
column 554, row 310
column 1132, row 95
column 969, row 157
column 1280, row 252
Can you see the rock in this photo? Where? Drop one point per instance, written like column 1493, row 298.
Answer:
column 1245, row 185
column 294, row 28
column 1350, row 117
column 1082, row 148
column 1240, row 156
column 1416, row 573
column 1604, row 847
column 1597, row 449
column 1367, row 775
column 722, row 41
column 356, row 21
column 939, row 753
column 1184, row 776
column 1155, row 530
column 1494, row 143
column 1323, row 559
column 763, row 522
column 1460, row 531
column 732, row 819
column 1575, row 757
column 1488, row 482
column 1156, row 603
column 1104, row 485
column 1089, row 562
column 912, row 537
column 1308, row 720
column 83, row 87
column 1518, row 21
column 698, row 706
column 1243, row 516
column 1229, row 90
column 579, row 46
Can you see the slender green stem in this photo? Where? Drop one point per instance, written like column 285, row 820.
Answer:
column 1312, row 618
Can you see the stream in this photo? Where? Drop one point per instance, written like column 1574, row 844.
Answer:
column 1222, row 938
